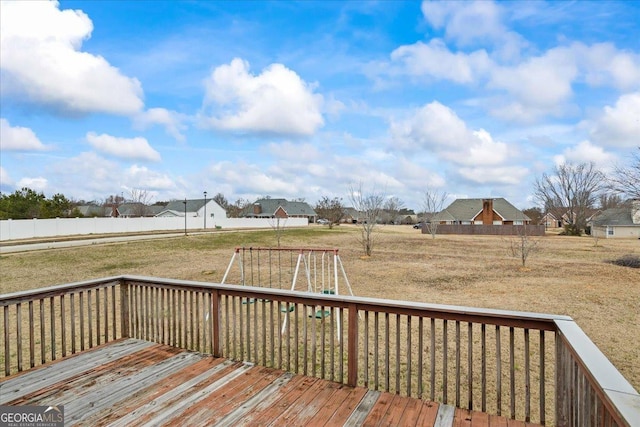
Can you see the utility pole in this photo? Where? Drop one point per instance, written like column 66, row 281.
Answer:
column 205, row 210
column 185, row 216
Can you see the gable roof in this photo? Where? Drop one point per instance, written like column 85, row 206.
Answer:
column 615, row 217
column 468, row 209
column 270, row 206
column 193, row 205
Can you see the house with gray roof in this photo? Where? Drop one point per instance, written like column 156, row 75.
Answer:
column 279, row 208
column 623, row 222
column 194, row 208
column 481, row 212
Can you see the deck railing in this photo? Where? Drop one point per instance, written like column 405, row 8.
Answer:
column 527, row 366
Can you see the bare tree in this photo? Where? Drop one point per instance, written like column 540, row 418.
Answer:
column 330, row 209
column 221, row 200
column 369, row 204
column 432, row 204
column 569, row 192
column 626, row 179
column 235, row 210
column 141, row 200
column 392, row 208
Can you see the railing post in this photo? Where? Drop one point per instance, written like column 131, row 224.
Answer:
column 215, row 330
column 561, row 397
column 124, row 309
column 352, row 346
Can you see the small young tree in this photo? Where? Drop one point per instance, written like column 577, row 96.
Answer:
column 142, row 199
column 523, row 245
column 369, row 204
column 277, row 225
column 330, row 209
column 432, row 204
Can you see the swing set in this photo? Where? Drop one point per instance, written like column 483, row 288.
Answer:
column 297, row 269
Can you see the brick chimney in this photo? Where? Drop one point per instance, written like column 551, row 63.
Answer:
column 487, row 211
column 257, row 209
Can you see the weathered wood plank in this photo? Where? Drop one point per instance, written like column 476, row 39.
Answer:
column 395, row 411
column 32, row 380
column 445, row 416
column 411, row 412
column 267, row 396
column 347, row 406
column 363, row 409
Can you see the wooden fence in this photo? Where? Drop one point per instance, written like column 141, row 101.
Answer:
column 494, row 230
column 530, row 367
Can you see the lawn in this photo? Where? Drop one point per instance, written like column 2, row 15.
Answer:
column 567, row 275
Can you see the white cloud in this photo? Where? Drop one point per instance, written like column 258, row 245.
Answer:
column 619, row 126
column 15, row 138
column 586, row 152
column 437, row 128
column 539, row 86
column 5, row 180
column 275, row 101
column 171, row 121
column 507, row 175
column 605, row 65
column 37, row 184
column 125, row 148
column 142, row 178
column 41, row 59
column 436, row 60
column 471, row 23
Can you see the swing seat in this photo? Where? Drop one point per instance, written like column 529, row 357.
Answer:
column 328, row 292
column 284, row 309
column 319, row 314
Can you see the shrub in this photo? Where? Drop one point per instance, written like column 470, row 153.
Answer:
column 632, row 261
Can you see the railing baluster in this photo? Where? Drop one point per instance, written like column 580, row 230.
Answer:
column 106, row 314
column 341, row 344
column 376, row 350
column 18, row 337
column 409, row 351
column 73, row 322
column 63, row 329
column 470, row 366
column 365, row 365
column 7, row 346
column 191, row 325
column 542, row 380
column 273, row 335
column 420, row 355
column 322, row 340
column 113, row 312
column 305, row 343
column 397, row 354
column 445, row 357
column 52, row 316
column 527, row 378
column 432, row 392
column 332, row 323
column 32, row 350
column 483, row 366
column 313, row 342
column 97, row 316
column 458, row 368
column 386, row 352
column 43, row 356
column 297, row 326
column 264, row 332
column 512, row 374
column 498, row 372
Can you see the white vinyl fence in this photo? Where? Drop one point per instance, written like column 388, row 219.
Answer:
column 15, row 229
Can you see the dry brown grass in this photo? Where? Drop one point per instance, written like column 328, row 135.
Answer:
column 567, row 276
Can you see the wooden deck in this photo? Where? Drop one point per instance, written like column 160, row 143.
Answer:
column 133, row 382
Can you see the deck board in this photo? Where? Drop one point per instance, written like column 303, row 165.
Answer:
column 136, row 383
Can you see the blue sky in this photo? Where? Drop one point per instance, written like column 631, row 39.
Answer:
column 307, row 99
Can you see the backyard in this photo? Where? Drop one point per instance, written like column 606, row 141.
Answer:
column 566, row 275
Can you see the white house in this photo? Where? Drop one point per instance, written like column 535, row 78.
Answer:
column 618, row 222
column 195, row 208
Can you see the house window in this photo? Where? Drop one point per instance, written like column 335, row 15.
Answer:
column 609, row 231
column 477, row 222
column 497, row 222
column 518, row 222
